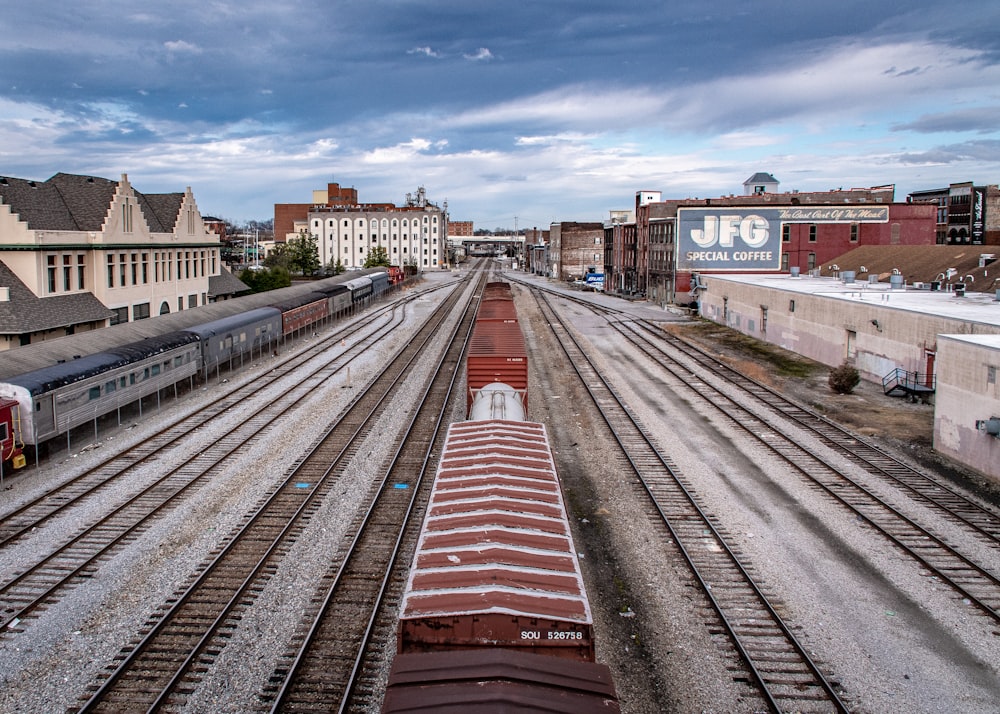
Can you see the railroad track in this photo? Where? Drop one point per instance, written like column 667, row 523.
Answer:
column 120, row 468
column 320, row 671
column 48, row 577
column 975, row 583
column 163, row 667
column 983, row 523
column 772, row 659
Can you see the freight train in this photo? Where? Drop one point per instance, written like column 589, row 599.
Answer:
column 50, row 401
column 495, row 616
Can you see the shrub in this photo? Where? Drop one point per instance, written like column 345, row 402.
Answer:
column 844, row 379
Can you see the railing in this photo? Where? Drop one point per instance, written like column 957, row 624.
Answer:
column 908, row 382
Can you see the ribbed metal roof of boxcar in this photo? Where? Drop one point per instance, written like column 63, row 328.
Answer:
column 497, row 310
column 497, row 338
column 496, row 536
column 497, row 680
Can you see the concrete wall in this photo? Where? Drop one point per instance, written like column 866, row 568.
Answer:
column 968, row 390
column 865, row 331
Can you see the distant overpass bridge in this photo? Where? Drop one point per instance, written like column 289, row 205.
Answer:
column 489, row 245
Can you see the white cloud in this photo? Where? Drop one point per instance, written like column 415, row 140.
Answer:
column 180, row 46
column 480, row 55
column 426, row 51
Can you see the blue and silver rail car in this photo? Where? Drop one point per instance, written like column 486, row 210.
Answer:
column 237, row 335
column 54, row 399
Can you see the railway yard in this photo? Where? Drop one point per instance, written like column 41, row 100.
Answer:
column 245, row 546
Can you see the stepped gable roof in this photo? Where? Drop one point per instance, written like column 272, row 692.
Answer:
column 70, row 202
column 87, row 198
column 25, row 312
column 924, row 263
column 38, row 203
column 160, row 210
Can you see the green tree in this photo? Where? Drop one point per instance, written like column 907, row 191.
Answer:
column 278, row 257
column 303, row 253
column 260, row 281
column 377, row 257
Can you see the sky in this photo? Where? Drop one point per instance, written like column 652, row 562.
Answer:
column 515, row 114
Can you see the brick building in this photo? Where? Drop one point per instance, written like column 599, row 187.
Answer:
column 966, row 214
column 576, row 249
column 756, row 232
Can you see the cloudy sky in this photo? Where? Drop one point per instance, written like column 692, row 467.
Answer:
column 553, row 110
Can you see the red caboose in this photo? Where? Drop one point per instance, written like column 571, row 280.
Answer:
column 395, row 275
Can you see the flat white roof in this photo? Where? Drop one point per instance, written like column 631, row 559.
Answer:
column 991, row 342
column 980, row 308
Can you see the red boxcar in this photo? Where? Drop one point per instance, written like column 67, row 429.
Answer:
column 495, row 564
column 496, row 354
column 497, row 680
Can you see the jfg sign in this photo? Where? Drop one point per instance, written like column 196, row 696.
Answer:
column 728, row 239
column 750, row 238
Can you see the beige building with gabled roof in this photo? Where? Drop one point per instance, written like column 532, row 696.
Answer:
column 79, row 243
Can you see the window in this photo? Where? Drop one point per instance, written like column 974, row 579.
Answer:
column 784, row 261
column 67, row 273
column 140, row 311
column 111, row 271
column 786, row 233
column 110, row 387
column 94, row 393
column 811, row 263
column 121, row 315
column 135, row 269
column 80, row 272
column 121, row 270
column 991, row 374
column 127, row 215
column 145, row 268
column 791, row 306
column 812, row 233
column 52, row 273
column 854, row 233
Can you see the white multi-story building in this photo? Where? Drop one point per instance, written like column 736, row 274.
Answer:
column 414, row 234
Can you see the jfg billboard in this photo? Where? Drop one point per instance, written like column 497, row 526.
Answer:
column 750, row 238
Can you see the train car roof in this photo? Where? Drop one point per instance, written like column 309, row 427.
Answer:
column 496, row 536
column 50, row 352
column 299, row 300
column 358, row 283
column 495, row 679
column 152, row 346
column 232, row 322
column 58, row 375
